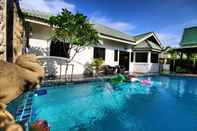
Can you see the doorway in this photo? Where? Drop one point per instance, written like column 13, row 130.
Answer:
column 124, row 60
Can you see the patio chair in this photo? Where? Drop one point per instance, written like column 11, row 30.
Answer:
column 108, row 70
column 120, row 69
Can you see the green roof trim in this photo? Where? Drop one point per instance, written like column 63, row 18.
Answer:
column 141, row 36
column 147, row 45
column 189, row 37
column 154, row 45
column 142, row 45
column 112, row 32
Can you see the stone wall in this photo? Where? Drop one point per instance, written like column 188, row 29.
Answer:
column 18, row 30
column 18, row 33
column 2, row 30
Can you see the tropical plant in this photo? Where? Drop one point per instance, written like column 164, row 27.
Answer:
column 179, row 69
column 96, row 64
column 73, row 30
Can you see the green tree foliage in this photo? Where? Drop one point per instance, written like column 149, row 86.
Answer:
column 173, row 56
column 73, row 29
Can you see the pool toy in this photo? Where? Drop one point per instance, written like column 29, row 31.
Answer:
column 132, row 78
column 118, row 79
column 40, row 92
column 146, row 82
column 40, row 125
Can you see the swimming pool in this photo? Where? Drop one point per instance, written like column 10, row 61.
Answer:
column 168, row 104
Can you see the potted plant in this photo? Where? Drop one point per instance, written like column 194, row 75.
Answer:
column 96, row 65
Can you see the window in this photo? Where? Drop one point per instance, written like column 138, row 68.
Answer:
column 154, row 58
column 99, row 53
column 141, row 57
column 115, row 55
column 131, row 56
column 59, row 49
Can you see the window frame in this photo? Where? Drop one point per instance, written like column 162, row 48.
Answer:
column 116, row 55
column 132, row 57
column 59, row 50
column 152, row 58
column 100, row 51
column 141, row 61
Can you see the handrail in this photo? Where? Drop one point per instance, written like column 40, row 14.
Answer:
column 65, row 61
column 53, row 57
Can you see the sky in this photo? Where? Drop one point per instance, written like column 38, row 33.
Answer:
column 167, row 18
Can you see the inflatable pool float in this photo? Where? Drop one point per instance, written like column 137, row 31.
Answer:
column 40, row 125
column 146, row 82
column 132, row 78
column 118, row 79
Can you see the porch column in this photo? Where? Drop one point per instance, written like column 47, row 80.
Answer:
column 9, row 30
column 149, row 57
column 129, row 60
column 118, row 56
column 134, row 54
column 181, row 55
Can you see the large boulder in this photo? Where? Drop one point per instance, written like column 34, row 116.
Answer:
column 7, row 122
column 15, row 78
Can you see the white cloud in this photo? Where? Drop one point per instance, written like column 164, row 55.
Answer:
column 171, row 35
column 57, row 5
column 118, row 25
column 52, row 6
column 169, row 39
column 192, row 22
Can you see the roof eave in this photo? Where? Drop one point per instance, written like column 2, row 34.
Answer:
column 149, row 35
column 104, row 36
column 36, row 21
column 147, row 49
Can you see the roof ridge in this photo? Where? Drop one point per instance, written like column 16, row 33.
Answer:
column 112, row 28
column 190, row 27
column 144, row 33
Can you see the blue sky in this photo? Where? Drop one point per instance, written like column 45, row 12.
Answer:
column 165, row 17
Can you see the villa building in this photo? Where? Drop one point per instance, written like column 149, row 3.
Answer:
column 135, row 53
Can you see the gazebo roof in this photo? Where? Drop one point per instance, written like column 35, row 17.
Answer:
column 189, row 37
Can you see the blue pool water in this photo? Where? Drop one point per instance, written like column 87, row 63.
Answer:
column 169, row 104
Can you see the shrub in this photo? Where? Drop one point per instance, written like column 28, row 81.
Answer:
column 180, row 69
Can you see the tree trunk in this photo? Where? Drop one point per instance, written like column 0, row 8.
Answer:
column 173, row 66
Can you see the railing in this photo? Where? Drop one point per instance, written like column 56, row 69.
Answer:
column 54, row 68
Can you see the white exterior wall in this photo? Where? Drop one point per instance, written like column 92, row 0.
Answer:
column 110, row 47
column 39, row 40
column 40, row 45
column 144, row 67
column 85, row 58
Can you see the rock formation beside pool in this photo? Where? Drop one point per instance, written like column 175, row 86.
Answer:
column 15, row 78
column 7, row 122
